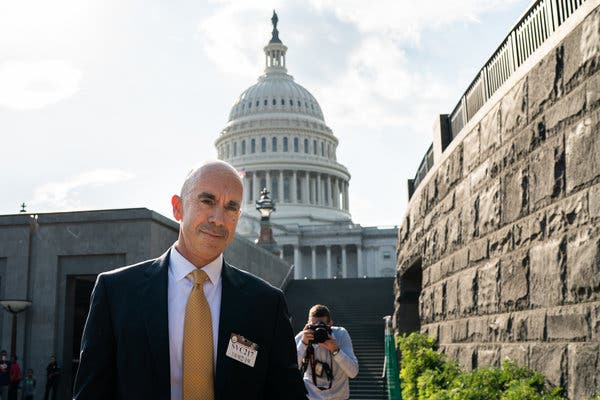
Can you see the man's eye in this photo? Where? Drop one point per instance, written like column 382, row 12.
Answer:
column 206, row 201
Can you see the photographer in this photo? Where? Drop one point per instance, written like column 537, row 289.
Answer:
column 325, row 356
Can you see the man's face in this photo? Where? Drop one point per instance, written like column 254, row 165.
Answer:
column 208, row 214
column 314, row 320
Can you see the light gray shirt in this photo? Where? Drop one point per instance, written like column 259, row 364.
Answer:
column 344, row 365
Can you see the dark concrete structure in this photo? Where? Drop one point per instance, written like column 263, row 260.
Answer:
column 53, row 260
column 501, row 240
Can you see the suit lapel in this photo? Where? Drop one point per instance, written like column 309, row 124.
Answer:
column 154, row 310
column 231, row 299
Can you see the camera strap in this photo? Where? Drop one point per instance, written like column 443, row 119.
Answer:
column 309, row 359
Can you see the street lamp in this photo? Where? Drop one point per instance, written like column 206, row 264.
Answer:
column 265, row 207
column 14, row 307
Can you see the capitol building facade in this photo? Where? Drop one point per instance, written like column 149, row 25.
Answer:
column 277, row 138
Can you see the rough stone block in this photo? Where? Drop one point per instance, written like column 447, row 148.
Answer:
column 570, row 212
column 582, row 150
column 466, row 295
column 529, row 229
column 514, row 287
column 451, row 297
column 487, row 210
column 565, row 111
column 567, row 324
column 595, row 321
column 445, row 336
column 546, row 173
column 479, row 177
column 515, row 195
column 501, row 242
column 528, row 326
column 583, row 266
column 540, row 81
column 487, row 288
column 466, row 357
column 478, row 329
column 583, row 370
column 592, row 91
column 435, row 272
column 439, row 301
column 459, row 331
column 518, row 353
column 513, row 111
column 487, row 357
column 489, row 134
column 471, row 150
column 426, row 305
column 550, row 360
column 461, row 259
column 500, row 327
column 454, row 233
column 594, row 200
column 478, row 251
column 450, row 172
column 545, row 273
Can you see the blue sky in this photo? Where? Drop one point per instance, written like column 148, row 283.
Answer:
column 107, row 104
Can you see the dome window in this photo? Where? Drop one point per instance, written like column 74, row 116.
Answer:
column 243, row 106
column 227, row 151
column 306, row 146
column 306, row 104
column 312, row 107
column 274, row 102
column 274, row 145
column 263, row 145
column 314, row 147
column 299, row 103
column 295, row 144
column 235, row 149
column 257, row 103
column 250, row 105
column 265, row 102
column 243, row 147
column 282, row 102
column 285, row 144
column 291, row 102
column 322, row 149
column 253, row 146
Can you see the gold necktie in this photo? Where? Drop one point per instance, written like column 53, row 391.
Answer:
column 198, row 375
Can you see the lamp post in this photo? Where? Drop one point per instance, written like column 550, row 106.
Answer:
column 14, row 307
column 266, row 206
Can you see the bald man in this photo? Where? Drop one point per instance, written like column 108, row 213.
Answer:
column 142, row 329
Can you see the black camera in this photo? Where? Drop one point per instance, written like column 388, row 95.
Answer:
column 321, row 332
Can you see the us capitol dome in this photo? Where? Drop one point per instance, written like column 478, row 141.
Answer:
column 276, row 136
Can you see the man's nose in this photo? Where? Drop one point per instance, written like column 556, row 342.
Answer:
column 217, row 216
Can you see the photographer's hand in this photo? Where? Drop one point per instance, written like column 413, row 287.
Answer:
column 330, row 344
column 307, row 335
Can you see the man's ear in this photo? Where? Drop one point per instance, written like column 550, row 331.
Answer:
column 176, row 202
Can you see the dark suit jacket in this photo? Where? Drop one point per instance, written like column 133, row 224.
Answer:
column 125, row 345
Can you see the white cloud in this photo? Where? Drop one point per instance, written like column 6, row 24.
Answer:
column 63, row 194
column 31, row 85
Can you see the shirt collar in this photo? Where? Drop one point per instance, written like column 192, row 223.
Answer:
column 181, row 267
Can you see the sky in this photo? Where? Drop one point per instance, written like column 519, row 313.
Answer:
column 108, row 103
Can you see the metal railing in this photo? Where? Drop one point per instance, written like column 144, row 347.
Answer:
column 537, row 24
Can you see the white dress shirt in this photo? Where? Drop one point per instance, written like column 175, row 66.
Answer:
column 179, row 289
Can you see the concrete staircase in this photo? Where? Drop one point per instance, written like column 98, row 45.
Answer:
column 358, row 305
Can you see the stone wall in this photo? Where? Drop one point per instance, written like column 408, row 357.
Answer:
column 505, row 230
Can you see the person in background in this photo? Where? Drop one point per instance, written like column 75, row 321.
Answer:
column 326, row 356
column 29, row 385
column 4, row 375
column 14, row 377
column 52, row 376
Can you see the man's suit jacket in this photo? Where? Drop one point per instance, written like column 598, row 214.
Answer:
column 125, row 345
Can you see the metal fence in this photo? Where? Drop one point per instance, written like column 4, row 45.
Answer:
column 530, row 32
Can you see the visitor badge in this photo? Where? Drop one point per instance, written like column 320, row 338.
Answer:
column 242, row 350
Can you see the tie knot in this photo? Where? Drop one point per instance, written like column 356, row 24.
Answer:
column 198, row 276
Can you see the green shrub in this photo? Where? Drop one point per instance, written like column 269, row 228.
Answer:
column 427, row 374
